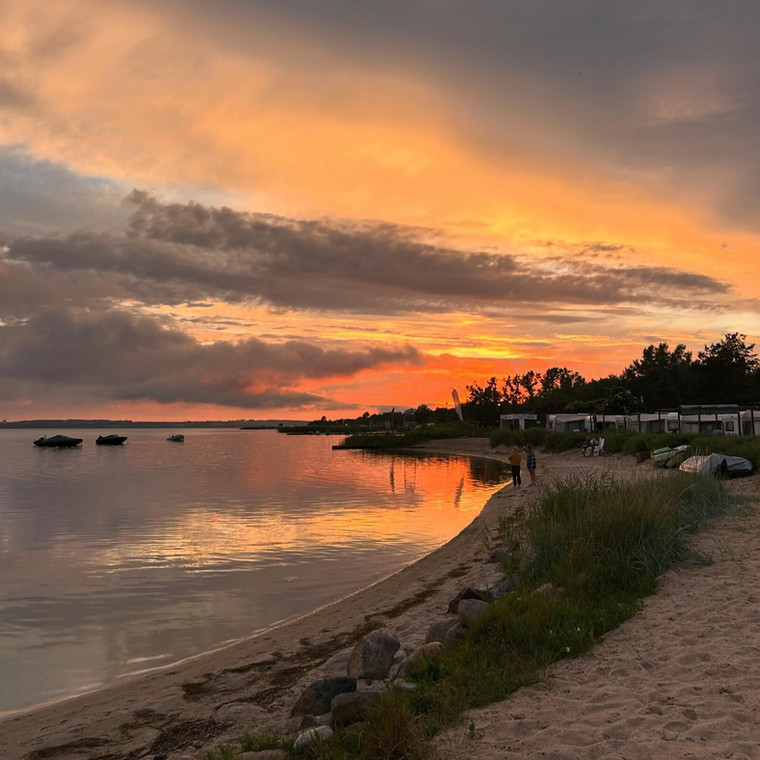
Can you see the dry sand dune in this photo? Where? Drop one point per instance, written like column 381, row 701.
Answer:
column 678, row 680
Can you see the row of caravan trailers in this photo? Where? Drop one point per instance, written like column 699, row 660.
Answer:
column 725, row 419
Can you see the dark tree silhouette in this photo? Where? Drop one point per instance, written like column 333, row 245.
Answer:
column 662, row 378
column 728, row 370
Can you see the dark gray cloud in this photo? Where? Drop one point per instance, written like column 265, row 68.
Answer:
column 172, row 253
column 114, row 355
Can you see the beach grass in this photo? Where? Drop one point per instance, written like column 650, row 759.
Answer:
column 400, row 439
column 591, row 549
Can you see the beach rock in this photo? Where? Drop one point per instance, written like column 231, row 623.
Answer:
column 240, row 713
column 497, row 555
column 405, row 685
column 454, row 635
column 371, row 686
column 438, row 630
column 312, row 735
column 264, row 754
column 418, row 655
column 310, row 721
column 398, row 658
column 373, row 655
column 352, row 708
column 470, row 610
column 548, row 589
column 466, row 593
column 317, row 696
column 505, row 585
column 337, row 664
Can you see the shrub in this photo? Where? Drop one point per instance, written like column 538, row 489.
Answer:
column 559, row 442
column 533, row 435
column 392, row 440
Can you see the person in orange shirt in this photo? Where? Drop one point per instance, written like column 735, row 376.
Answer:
column 514, row 460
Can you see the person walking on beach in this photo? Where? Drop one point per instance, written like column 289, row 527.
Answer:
column 514, row 461
column 530, row 457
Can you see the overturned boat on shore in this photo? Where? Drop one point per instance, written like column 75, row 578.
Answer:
column 671, row 457
column 722, row 465
column 57, row 442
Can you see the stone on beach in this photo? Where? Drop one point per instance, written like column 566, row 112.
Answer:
column 470, row 610
column 454, row 635
column 373, row 654
column 352, row 708
column 497, row 555
column 430, row 649
column 466, row 593
column 312, row 721
column 439, row 629
column 336, row 665
column 317, row 696
column 448, row 632
column 505, row 585
column 313, row 735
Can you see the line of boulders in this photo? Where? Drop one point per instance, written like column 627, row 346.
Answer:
column 378, row 661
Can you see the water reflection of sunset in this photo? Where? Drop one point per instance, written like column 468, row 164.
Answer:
column 404, row 500
column 154, row 551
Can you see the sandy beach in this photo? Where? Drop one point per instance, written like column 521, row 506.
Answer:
column 678, row 680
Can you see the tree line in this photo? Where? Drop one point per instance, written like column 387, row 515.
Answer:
column 663, row 378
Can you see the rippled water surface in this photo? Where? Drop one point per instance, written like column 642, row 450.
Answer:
column 119, row 559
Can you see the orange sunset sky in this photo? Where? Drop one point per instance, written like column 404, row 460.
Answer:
column 287, row 209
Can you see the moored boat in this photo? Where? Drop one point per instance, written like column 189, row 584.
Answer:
column 57, row 442
column 176, row 437
column 110, row 440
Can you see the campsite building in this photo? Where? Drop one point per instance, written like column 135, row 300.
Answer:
column 715, row 419
column 517, row 421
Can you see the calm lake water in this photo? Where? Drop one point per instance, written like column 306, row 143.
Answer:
column 116, row 560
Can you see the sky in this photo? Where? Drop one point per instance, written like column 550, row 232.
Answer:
column 263, row 209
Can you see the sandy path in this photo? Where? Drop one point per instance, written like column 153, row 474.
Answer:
column 631, row 697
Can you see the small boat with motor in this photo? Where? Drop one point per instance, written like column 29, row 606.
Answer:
column 176, row 437
column 57, row 442
column 110, row 440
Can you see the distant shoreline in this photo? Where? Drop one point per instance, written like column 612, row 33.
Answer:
column 44, row 424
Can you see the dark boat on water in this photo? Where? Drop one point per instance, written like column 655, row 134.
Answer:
column 176, row 437
column 57, row 442
column 110, row 440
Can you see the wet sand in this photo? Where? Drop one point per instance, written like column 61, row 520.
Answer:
column 677, row 679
